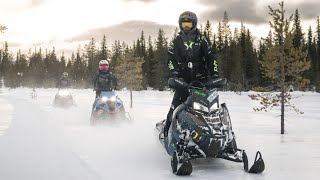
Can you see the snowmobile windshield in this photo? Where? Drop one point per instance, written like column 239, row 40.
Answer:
column 108, row 94
column 63, row 92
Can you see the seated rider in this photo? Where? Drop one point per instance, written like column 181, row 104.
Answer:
column 64, row 81
column 104, row 80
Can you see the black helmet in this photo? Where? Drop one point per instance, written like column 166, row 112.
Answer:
column 188, row 16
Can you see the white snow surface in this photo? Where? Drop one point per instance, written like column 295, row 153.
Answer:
column 40, row 142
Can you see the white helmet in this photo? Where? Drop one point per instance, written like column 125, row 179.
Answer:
column 104, row 65
column 103, row 62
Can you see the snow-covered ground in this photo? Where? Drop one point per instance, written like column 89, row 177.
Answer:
column 40, row 142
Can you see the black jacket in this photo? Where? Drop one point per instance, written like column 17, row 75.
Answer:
column 192, row 50
column 104, row 81
column 63, row 83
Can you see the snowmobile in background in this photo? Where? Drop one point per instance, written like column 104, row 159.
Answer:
column 201, row 128
column 63, row 99
column 108, row 107
column 33, row 94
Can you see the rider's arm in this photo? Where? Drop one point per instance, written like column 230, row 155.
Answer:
column 210, row 58
column 95, row 83
column 173, row 58
column 115, row 82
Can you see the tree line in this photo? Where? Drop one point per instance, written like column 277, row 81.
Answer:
column 143, row 64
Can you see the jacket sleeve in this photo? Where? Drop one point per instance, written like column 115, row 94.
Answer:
column 95, row 80
column 173, row 57
column 210, row 58
column 115, row 82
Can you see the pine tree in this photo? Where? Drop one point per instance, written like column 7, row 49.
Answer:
column 149, row 63
column 51, row 68
column 283, row 64
column 225, row 59
column 312, row 56
column 116, row 53
column 143, row 55
column 175, row 34
column 2, row 28
column 143, row 44
column 208, row 32
column 236, row 68
column 37, row 68
column 104, row 52
column 226, row 31
column 129, row 71
column 5, row 62
column 92, row 59
column 79, row 70
column 21, row 67
column 317, row 63
column 298, row 38
column 251, row 66
column 62, row 64
column 159, row 68
column 220, row 43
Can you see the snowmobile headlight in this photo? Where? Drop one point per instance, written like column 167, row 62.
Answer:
column 63, row 93
column 197, row 106
column 214, row 107
column 104, row 99
column 113, row 98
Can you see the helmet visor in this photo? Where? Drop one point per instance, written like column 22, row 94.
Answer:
column 186, row 25
column 104, row 67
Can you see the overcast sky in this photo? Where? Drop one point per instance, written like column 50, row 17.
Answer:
column 67, row 23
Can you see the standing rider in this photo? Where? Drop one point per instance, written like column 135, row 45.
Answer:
column 190, row 58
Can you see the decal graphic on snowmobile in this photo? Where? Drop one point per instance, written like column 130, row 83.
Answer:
column 108, row 106
column 201, row 128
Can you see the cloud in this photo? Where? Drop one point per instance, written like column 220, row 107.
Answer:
column 255, row 11
column 307, row 10
column 128, row 32
column 238, row 10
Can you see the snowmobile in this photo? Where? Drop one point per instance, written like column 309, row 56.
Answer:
column 34, row 94
column 201, row 128
column 108, row 107
column 63, row 99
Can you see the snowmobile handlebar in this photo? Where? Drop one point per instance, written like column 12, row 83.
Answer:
column 176, row 83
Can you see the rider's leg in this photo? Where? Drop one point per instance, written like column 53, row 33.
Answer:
column 178, row 98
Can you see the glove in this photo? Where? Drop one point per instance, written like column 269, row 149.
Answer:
column 215, row 76
column 174, row 74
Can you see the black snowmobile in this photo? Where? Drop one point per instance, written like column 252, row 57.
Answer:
column 201, row 128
